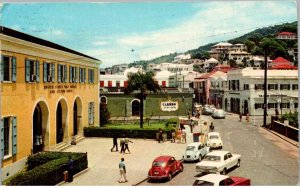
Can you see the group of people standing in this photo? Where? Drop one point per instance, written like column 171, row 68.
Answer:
column 124, row 144
column 247, row 117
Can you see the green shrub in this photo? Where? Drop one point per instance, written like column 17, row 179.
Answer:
column 171, row 121
column 291, row 117
column 46, row 168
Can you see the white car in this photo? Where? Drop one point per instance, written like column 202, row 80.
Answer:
column 218, row 113
column 218, row 162
column 214, row 140
column 218, row 179
column 195, row 151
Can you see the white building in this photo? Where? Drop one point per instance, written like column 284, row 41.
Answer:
column 245, row 91
column 162, row 77
column 238, row 56
column 212, row 62
column 171, row 67
column 182, row 57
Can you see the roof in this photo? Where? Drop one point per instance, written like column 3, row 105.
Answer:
column 213, row 177
column 163, row 158
column 207, row 75
column 218, row 153
column 212, row 60
column 29, row 38
column 213, row 133
column 259, row 73
column 223, row 44
column 286, row 33
column 223, row 68
column 280, row 60
column 284, row 67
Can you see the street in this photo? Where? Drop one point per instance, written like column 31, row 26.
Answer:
column 266, row 159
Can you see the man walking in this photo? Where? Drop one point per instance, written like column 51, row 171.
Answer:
column 241, row 116
column 115, row 143
column 122, row 169
column 127, row 144
column 122, row 144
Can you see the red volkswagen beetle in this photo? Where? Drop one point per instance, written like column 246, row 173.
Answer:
column 165, row 167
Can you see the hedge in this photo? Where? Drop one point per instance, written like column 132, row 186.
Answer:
column 46, row 168
column 130, row 133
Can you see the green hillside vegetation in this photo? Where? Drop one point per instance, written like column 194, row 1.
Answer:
column 252, row 40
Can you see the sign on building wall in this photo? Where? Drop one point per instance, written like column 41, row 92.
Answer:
column 169, row 106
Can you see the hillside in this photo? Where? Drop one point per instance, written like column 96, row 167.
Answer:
column 256, row 36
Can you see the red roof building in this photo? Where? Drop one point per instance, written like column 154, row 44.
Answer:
column 286, row 36
column 281, row 63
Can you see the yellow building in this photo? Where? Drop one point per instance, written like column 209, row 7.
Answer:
column 48, row 94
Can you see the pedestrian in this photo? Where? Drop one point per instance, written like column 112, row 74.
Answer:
column 160, row 135
column 122, row 169
column 70, row 166
column 183, row 135
column 276, row 112
column 189, row 114
column 191, row 125
column 122, row 144
column 127, row 144
column 178, row 135
column 247, row 117
column 211, row 127
column 241, row 116
column 115, row 143
column 181, row 126
column 173, row 136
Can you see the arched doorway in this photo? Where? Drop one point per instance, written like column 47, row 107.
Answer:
column 135, row 107
column 40, row 134
column 245, row 107
column 103, row 100
column 61, row 121
column 77, row 117
column 75, row 123
column 225, row 104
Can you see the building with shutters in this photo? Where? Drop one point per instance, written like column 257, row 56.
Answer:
column 48, row 94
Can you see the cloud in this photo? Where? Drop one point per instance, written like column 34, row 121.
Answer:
column 214, row 22
column 57, row 32
column 99, row 43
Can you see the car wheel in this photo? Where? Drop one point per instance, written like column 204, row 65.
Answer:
column 223, row 171
column 238, row 164
column 200, row 158
column 181, row 168
column 169, row 176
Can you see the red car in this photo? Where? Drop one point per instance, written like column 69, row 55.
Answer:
column 165, row 167
column 223, row 180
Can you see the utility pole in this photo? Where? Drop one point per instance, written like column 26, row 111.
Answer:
column 265, row 87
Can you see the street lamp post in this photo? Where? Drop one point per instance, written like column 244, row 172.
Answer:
column 265, row 87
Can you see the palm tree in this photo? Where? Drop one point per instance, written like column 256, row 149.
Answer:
column 142, row 82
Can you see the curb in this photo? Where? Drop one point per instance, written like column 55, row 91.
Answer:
column 78, row 174
column 136, row 184
column 281, row 136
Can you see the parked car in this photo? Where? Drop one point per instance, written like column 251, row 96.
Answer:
column 214, row 140
column 221, row 180
column 195, row 151
column 207, row 110
column 164, row 167
column 218, row 162
column 219, row 113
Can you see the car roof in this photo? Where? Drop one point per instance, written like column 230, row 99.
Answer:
column 213, row 177
column 214, row 133
column 163, row 158
column 195, row 144
column 218, row 153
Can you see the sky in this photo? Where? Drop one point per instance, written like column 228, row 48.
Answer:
column 125, row 32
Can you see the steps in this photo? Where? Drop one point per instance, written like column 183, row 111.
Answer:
column 61, row 146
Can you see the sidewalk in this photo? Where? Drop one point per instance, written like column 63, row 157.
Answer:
column 103, row 164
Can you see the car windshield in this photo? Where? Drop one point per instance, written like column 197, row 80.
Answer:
column 190, row 148
column 202, row 183
column 212, row 158
column 158, row 163
column 214, row 137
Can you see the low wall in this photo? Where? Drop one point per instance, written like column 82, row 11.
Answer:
column 286, row 130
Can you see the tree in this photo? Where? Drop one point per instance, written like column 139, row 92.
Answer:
column 274, row 48
column 250, row 45
column 232, row 63
column 142, row 82
column 104, row 114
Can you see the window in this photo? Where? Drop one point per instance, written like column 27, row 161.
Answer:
column 49, row 72
column 117, row 84
column 61, row 73
column 272, row 87
column 109, row 83
column 259, row 86
column 8, row 68
column 285, row 105
column 32, row 70
column 259, row 105
column 91, row 76
column 295, row 86
column 91, row 113
column 272, row 105
column 73, row 74
column 82, row 75
column 8, row 136
column 101, row 83
column 284, row 86
column 296, row 105
column 246, row 86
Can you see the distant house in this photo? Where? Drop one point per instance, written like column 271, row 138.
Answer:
column 287, row 36
column 281, row 63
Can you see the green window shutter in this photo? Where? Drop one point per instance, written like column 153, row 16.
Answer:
column 76, row 74
column 2, row 138
column 71, row 73
column 45, row 72
column 92, row 76
column 37, row 64
column 84, row 75
column 65, row 74
column 27, row 70
column 93, row 112
column 14, row 135
column 90, row 115
column 14, row 69
column 89, row 74
column 58, row 73
column 2, row 68
column 80, row 75
column 53, row 72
